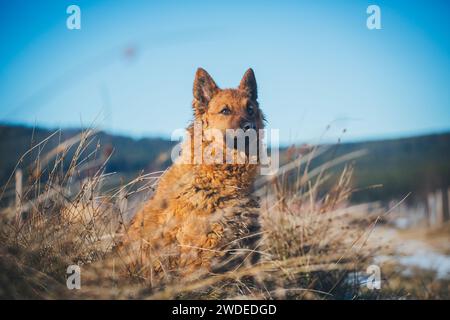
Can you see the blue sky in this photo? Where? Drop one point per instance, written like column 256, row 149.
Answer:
column 131, row 66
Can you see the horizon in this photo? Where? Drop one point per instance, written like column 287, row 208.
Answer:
column 317, row 141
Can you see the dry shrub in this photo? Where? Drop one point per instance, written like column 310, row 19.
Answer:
column 308, row 243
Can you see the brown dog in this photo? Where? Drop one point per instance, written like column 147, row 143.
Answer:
column 201, row 211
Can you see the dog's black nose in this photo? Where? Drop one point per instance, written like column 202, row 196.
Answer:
column 247, row 125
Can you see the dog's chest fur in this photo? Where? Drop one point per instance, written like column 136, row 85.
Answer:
column 199, row 213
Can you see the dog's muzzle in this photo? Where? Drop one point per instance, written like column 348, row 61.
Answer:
column 247, row 125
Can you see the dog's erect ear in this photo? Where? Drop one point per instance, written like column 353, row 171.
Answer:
column 204, row 89
column 248, row 84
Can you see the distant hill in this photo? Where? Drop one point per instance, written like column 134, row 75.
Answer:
column 418, row 164
column 129, row 156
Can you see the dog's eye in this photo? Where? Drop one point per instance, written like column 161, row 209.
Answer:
column 225, row 111
column 250, row 110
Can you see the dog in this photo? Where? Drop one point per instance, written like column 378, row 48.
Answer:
column 202, row 215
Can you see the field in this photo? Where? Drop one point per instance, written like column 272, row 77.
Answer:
column 317, row 240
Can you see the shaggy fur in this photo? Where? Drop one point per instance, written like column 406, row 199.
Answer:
column 202, row 215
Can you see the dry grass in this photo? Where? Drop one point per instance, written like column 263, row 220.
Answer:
column 311, row 240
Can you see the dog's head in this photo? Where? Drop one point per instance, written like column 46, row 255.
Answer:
column 224, row 109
